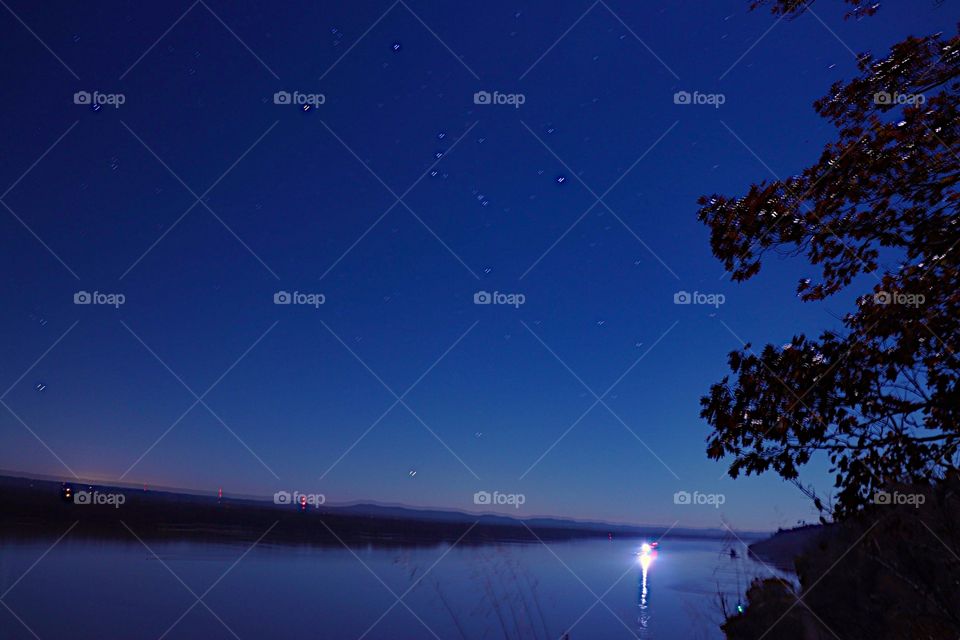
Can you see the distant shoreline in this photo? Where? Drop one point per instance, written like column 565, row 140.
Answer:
column 33, row 508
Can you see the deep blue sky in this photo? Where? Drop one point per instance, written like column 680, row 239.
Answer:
column 399, row 299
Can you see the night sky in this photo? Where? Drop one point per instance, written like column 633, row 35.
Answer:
column 398, row 199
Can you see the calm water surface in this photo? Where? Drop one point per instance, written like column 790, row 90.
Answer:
column 85, row 589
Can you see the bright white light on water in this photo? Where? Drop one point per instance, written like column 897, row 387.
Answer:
column 645, row 561
column 646, row 554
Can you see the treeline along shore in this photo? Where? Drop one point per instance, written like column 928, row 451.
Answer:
column 32, row 508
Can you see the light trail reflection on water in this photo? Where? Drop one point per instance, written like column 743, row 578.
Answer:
column 645, row 557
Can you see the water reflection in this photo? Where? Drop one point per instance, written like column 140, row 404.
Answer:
column 470, row 592
column 643, row 620
column 645, row 557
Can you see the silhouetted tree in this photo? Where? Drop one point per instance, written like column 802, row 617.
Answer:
column 877, row 212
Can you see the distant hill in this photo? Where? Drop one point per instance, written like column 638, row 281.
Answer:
column 31, row 506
